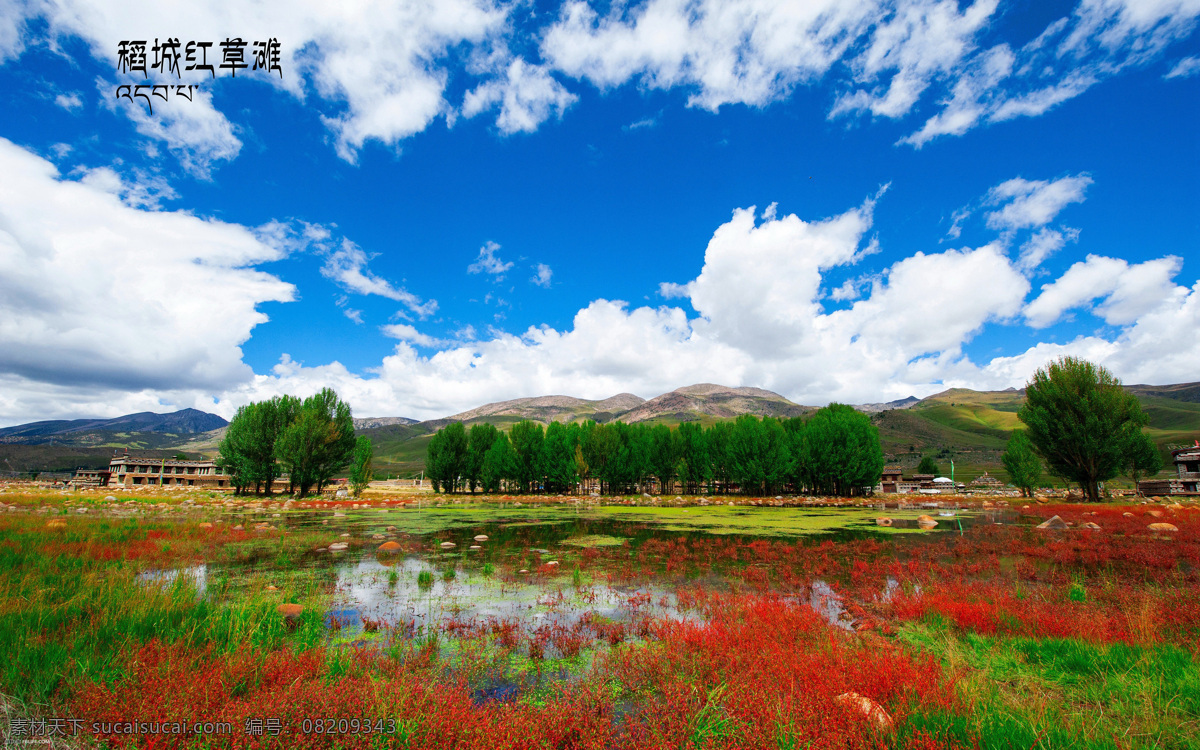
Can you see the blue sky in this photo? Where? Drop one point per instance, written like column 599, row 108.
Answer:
column 441, row 205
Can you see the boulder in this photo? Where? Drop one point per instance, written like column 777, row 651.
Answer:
column 1155, row 513
column 1162, row 527
column 1054, row 523
column 926, row 522
column 389, row 547
column 1041, row 499
column 338, row 546
column 448, row 545
column 1090, row 526
column 1127, row 514
column 481, row 538
column 883, row 522
column 874, row 712
column 291, row 614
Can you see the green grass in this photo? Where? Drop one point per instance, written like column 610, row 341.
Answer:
column 1064, row 693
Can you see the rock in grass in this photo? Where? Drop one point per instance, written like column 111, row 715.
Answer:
column 389, row 547
column 448, row 545
column 1162, row 527
column 338, row 546
column 883, row 522
column 481, row 538
column 926, row 522
column 1054, row 523
column 1090, row 526
column 205, row 525
column 291, row 614
column 869, row 708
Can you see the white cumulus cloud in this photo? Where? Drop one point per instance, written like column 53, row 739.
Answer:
column 1128, row 291
column 1026, row 204
column 97, row 292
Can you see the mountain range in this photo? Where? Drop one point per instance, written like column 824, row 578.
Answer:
column 970, row 426
column 182, row 422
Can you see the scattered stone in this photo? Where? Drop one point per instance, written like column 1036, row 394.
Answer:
column 869, row 708
column 1090, row 526
column 338, row 546
column 1041, row 499
column 389, row 547
column 448, row 545
column 475, row 547
column 926, row 522
column 291, row 614
column 481, row 538
column 1155, row 513
column 1127, row 514
column 110, row 499
column 272, row 588
column 522, row 570
column 239, row 527
column 883, row 522
column 345, row 536
column 552, row 562
column 1162, row 527
column 205, row 525
column 1054, row 523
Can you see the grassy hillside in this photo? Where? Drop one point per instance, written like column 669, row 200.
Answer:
column 971, row 427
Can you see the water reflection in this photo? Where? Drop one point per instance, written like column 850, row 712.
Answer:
column 365, row 590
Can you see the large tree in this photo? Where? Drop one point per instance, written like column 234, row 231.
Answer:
column 247, row 451
column 665, row 450
column 318, row 443
column 841, row 452
column 360, row 466
column 1081, row 421
column 1024, row 468
column 559, row 458
column 499, row 464
column 528, row 440
column 479, row 441
column 446, row 457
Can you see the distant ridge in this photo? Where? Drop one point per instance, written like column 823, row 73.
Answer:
column 366, row 423
column 903, row 403
column 693, row 402
column 182, row 422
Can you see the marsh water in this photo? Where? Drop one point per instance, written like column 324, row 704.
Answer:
column 531, row 572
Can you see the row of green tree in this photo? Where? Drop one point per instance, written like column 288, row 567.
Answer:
column 308, row 442
column 835, row 451
column 1084, row 425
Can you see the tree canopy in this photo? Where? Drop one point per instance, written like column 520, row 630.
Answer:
column 1081, row 422
column 311, row 440
column 1024, row 468
column 838, row 451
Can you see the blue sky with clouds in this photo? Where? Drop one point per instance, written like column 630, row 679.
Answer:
column 438, row 205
